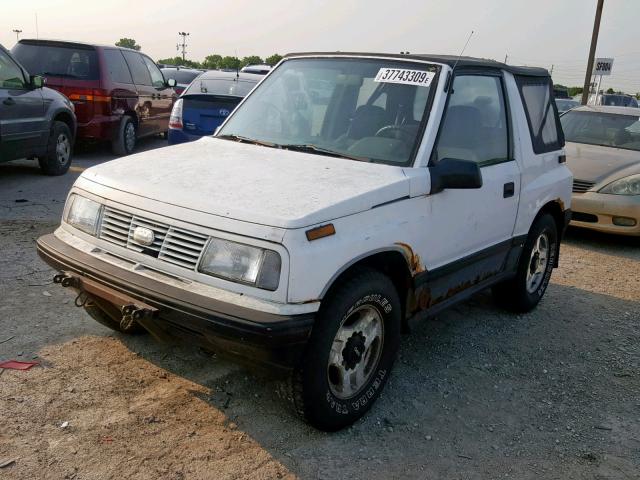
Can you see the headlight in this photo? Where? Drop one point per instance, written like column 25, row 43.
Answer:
column 625, row 186
column 84, row 214
column 242, row 263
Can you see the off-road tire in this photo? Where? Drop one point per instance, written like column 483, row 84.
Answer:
column 120, row 145
column 308, row 387
column 100, row 315
column 513, row 293
column 52, row 163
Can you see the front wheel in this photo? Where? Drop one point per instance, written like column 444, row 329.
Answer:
column 523, row 292
column 351, row 351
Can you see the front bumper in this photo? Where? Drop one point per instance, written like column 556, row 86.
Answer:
column 597, row 210
column 266, row 339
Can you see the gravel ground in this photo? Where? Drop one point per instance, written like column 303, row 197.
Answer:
column 477, row 393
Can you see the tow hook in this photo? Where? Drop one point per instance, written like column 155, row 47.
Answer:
column 131, row 313
column 65, row 280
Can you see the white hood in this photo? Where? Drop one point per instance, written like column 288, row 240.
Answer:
column 251, row 183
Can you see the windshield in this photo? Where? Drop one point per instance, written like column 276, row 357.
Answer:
column 73, row 61
column 363, row 109
column 607, row 129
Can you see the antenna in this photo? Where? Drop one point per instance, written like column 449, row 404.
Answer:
column 462, row 51
column 448, row 83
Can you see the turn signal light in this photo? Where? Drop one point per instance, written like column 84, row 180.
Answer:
column 320, row 232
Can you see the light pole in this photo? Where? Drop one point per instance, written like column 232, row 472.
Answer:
column 592, row 53
column 184, row 36
column 17, row 32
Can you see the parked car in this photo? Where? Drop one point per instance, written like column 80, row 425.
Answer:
column 303, row 235
column 257, row 69
column 207, row 103
column 182, row 76
column 615, row 100
column 35, row 122
column 566, row 104
column 603, row 152
column 560, row 92
column 119, row 94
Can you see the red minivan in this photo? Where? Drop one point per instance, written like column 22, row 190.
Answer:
column 119, row 94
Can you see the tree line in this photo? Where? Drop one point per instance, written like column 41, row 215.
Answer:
column 210, row 61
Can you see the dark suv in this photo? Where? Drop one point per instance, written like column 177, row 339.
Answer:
column 119, row 94
column 35, row 122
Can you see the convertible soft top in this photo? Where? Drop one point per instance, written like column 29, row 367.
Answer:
column 445, row 59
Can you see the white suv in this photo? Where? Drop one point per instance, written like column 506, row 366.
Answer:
column 344, row 194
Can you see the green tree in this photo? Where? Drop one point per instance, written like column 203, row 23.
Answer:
column 573, row 91
column 211, row 61
column 128, row 43
column 251, row 60
column 229, row 62
column 273, row 59
column 178, row 61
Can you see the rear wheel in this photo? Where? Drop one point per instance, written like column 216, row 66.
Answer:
column 125, row 142
column 523, row 292
column 59, row 150
column 350, row 353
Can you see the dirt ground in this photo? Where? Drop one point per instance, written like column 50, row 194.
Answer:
column 477, row 393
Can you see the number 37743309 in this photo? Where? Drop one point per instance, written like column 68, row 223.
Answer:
column 406, row 76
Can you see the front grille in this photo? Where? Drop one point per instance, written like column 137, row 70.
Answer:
column 171, row 244
column 581, row 186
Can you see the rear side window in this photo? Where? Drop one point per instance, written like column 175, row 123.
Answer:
column 116, row 66
column 138, row 68
column 53, row 60
column 541, row 112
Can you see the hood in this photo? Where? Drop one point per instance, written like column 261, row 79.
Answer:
column 251, row 183
column 594, row 163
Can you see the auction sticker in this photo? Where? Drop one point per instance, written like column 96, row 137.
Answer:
column 405, row 76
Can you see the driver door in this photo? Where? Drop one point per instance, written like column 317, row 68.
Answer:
column 470, row 231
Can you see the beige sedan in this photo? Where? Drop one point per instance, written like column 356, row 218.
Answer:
column 603, row 152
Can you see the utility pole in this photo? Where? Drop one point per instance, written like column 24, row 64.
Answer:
column 551, row 72
column 17, row 32
column 505, row 58
column 592, row 53
column 184, row 36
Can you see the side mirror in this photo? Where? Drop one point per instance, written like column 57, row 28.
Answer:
column 455, row 173
column 36, row 81
column 171, row 82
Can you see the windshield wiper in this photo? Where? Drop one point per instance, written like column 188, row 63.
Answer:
column 310, row 148
column 240, row 138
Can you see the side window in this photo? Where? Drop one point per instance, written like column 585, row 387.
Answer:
column 157, row 79
column 541, row 112
column 138, row 68
column 10, row 74
column 116, row 66
column 475, row 121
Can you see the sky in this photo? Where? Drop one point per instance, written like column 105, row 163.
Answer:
column 529, row 32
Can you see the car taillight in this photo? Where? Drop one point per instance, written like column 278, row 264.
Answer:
column 175, row 120
column 90, row 95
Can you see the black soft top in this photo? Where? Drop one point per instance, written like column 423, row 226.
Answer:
column 445, row 59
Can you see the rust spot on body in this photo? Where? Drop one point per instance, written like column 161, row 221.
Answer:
column 415, row 264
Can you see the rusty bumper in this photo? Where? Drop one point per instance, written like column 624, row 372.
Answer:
column 170, row 313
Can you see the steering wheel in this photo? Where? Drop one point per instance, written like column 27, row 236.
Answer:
column 396, row 132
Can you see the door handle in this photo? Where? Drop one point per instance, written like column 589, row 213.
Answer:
column 9, row 101
column 509, row 190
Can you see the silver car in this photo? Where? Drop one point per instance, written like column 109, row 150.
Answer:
column 603, row 152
